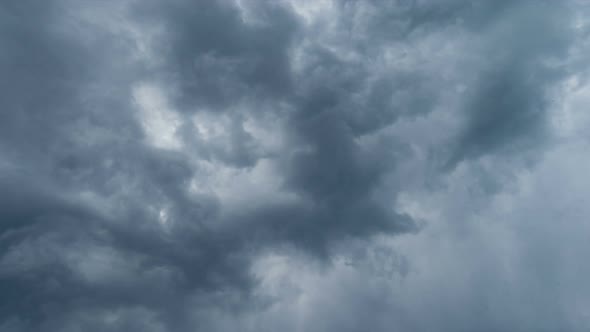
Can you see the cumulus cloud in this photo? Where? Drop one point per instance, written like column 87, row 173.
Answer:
column 293, row 165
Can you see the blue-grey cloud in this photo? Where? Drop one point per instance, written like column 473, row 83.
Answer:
column 298, row 165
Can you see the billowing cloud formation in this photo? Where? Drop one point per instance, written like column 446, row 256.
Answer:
column 293, row 165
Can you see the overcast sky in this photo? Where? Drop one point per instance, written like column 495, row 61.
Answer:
column 294, row 165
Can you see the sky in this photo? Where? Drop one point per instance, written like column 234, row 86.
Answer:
column 294, row 165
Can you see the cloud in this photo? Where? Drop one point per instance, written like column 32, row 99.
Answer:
column 295, row 165
column 507, row 107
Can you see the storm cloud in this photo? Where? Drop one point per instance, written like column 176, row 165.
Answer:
column 296, row 165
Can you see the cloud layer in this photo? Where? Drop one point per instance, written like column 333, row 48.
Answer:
column 293, row 165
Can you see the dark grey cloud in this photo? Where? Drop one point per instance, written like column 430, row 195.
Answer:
column 322, row 163
column 507, row 108
column 213, row 58
column 255, row 165
column 77, row 178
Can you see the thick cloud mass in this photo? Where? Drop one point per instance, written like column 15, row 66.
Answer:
column 294, row 165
